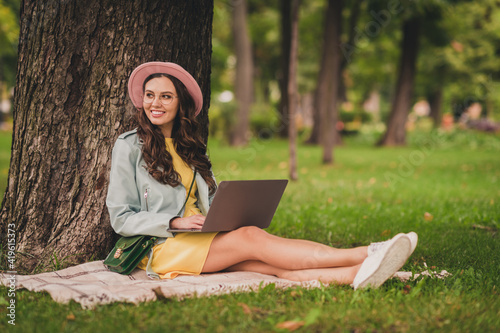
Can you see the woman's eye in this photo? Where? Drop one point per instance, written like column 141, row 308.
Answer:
column 167, row 96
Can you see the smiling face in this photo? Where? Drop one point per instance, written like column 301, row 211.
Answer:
column 159, row 91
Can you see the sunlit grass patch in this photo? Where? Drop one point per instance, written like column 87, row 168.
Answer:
column 449, row 194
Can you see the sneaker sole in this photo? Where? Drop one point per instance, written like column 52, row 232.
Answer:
column 393, row 260
column 414, row 236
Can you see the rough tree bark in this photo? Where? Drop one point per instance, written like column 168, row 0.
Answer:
column 292, row 89
column 329, row 97
column 395, row 134
column 70, row 105
column 244, row 73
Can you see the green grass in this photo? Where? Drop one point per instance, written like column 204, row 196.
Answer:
column 369, row 194
column 5, row 145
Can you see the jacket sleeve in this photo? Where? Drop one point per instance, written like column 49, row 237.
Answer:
column 123, row 198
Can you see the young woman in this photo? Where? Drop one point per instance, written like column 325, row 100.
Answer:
column 152, row 171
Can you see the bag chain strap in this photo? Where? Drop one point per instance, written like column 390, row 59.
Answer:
column 189, row 193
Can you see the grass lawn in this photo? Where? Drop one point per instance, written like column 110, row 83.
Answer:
column 5, row 142
column 443, row 186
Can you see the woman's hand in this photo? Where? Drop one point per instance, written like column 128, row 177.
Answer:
column 190, row 222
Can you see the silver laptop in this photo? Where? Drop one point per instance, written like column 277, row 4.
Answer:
column 239, row 203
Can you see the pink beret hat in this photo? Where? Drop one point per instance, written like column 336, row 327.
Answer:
column 136, row 81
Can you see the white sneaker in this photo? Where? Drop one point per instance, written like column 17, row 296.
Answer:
column 384, row 263
column 374, row 247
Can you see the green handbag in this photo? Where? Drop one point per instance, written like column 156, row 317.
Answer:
column 128, row 252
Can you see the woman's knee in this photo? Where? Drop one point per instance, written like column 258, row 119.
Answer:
column 250, row 233
column 240, row 240
column 248, row 240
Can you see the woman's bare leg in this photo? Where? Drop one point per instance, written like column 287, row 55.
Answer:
column 257, row 267
column 339, row 275
column 254, row 244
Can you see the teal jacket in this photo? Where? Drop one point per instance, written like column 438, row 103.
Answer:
column 137, row 203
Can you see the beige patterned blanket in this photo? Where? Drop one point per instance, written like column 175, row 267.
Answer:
column 92, row 283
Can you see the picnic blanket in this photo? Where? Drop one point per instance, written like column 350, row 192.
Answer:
column 92, row 283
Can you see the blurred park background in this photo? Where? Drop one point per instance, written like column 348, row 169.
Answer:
column 420, row 75
column 435, row 62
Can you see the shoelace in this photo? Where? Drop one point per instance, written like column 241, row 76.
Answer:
column 374, row 247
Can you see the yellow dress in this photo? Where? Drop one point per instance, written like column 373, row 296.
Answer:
column 186, row 252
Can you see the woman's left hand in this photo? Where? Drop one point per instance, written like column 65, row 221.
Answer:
column 190, row 222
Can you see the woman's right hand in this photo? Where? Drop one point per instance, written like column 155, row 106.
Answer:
column 190, row 222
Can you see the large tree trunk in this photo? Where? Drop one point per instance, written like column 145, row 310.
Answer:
column 328, row 98
column 286, row 32
column 70, row 105
column 244, row 75
column 292, row 89
column 395, row 134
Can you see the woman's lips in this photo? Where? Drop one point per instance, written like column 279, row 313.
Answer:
column 156, row 113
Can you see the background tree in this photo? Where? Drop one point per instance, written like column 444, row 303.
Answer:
column 434, row 69
column 353, row 13
column 321, row 102
column 9, row 33
column 457, row 59
column 372, row 53
column 70, row 105
column 286, row 38
column 396, row 125
column 329, row 86
column 292, row 88
column 473, row 57
column 413, row 16
column 264, row 30
column 244, row 73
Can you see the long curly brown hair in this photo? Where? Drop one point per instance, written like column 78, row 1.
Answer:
column 186, row 138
